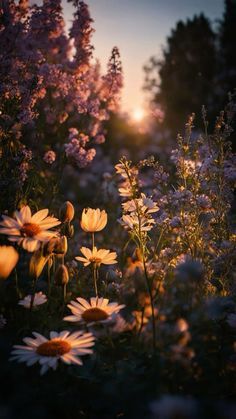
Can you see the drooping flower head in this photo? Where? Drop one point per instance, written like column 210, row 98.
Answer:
column 29, row 230
column 47, row 352
column 93, row 220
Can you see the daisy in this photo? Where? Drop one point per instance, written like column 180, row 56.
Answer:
column 29, row 230
column 47, row 352
column 93, row 220
column 97, row 310
column 8, row 260
column 38, row 300
column 97, row 256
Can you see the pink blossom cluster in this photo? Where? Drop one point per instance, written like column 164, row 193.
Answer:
column 49, row 157
column 75, row 150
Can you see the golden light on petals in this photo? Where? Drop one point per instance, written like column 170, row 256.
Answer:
column 93, row 220
column 54, row 347
column 61, row 347
column 95, row 310
column 97, row 256
column 28, row 230
column 8, row 260
column 94, row 314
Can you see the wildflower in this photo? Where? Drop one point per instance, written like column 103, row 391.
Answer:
column 29, row 230
column 8, row 260
column 121, row 325
column 57, row 246
column 49, row 157
column 98, row 310
column 47, row 352
column 135, row 222
column 37, row 263
column 38, row 300
column 181, row 326
column 77, row 153
column 97, row 256
column 67, row 212
column 144, row 204
column 93, row 220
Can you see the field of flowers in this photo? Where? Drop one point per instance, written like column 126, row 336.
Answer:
column 117, row 289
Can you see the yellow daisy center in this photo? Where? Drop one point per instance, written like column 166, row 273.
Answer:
column 54, row 347
column 94, row 314
column 95, row 260
column 30, row 230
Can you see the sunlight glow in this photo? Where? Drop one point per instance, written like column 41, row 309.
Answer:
column 138, row 115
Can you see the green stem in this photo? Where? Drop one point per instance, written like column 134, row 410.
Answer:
column 33, row 294
column 141, row 325
column 17, row 285
column 95, row 279
column 49, row 279
column 152, row 304
column 64, row 292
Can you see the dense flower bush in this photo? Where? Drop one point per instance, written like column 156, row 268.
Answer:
column 53, row 97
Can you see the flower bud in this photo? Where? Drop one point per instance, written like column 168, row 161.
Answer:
column 62, row 275
column 56, row 245
column 8, row 260
column 37, row 263
column 67, row 212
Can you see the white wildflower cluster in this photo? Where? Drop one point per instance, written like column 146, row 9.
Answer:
column 138, row 208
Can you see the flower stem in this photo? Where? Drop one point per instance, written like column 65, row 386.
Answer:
column 16, row 282
column 33, row 294
column 152, row 304
column 49, row 280
column 95, row 279
column 64, row 292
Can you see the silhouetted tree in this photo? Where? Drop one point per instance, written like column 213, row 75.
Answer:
column 227, row 50
column 184, row 79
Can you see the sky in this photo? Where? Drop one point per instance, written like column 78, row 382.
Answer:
column 139, row 28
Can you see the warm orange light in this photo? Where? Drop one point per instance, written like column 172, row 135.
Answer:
column 138, row 115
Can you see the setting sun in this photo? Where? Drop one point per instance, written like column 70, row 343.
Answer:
column 138, row 114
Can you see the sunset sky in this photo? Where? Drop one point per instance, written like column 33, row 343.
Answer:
column 139, row 28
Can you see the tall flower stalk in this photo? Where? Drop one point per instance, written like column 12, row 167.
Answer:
column 137, row 218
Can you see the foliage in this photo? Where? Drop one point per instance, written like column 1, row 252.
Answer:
column 197, row 68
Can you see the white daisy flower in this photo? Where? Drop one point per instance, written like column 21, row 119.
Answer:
column 38, row 300
column 97, row 256
column 97, row 310
column 29, row 230
column 47, row 352
column 93, row 220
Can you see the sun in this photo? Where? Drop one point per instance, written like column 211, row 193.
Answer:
column 138, row 114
